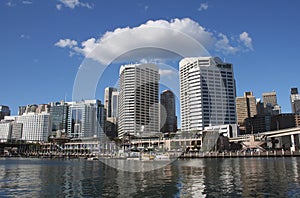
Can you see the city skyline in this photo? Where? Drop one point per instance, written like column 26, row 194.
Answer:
column 45, row 43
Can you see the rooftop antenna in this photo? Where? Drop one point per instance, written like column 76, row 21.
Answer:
column 66, row 97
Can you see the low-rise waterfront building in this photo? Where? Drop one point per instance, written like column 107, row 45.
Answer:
column 36, row 127
column 5, row 131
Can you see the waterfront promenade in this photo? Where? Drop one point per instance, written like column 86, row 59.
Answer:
column 275, row 153
column 237, row 154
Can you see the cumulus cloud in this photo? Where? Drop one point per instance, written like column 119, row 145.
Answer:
column 246, row 40
column 223, row 45
column 66, row 43
column 184, row 35
column 203, row 6
column 72, row 4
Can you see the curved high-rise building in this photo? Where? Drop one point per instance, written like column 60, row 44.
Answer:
column 138, row 99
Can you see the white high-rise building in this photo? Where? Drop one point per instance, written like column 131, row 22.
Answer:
column 36, row 126
column 138, row 99
column 207, row 93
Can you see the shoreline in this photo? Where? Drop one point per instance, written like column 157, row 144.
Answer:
column 275, row 153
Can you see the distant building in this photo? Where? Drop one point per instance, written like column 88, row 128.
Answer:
column 10, row 130
column 111, row 96
column 207, row 93
column 258, row 123
column 34, row 108
column 295, row 100
column 108, row 100
column 245, row 108
column 270, row 98
column 260, row 107
column 114, row 104
column 86, row 119
column 4, row 111
column 284, row 121
column 138, row 100
column 59, row 118
column 36, row 126
column 16, row 131
column 270, row 103
column 167, row 102
column 5, row 131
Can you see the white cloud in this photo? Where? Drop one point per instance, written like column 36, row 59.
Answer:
column 24, row 36
column 168, row 72
column 10, row 4
column 224, row 46
column 246, row 40
column 168, row 34
column 203, row 6
column 59, row 6
column 66, row 43
column 169, row 76
column 27, row 2
column 72, row 4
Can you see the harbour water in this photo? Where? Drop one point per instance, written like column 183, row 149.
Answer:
column 206, row 177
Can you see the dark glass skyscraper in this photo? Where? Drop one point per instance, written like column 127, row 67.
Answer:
column 59, row 117
column 4, row 111
column 168, row 111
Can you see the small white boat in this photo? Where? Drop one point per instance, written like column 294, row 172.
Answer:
column 133, row 158
column 165, row 157
column 92, row 158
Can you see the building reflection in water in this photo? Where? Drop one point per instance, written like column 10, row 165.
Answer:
column 228, row 177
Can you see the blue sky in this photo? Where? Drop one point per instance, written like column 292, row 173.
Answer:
column 42, row 42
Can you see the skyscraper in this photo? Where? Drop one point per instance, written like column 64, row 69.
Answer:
column 86, row 119
column 295, row 100
column 207, row 93
column 108, row 100
column 167, row 102
column 138, row 99
column 4, row 111
column 111, row 129
column 245, row 108
column 59, row 117
column 270, row 103
column 270, row 98
column 114, row 104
